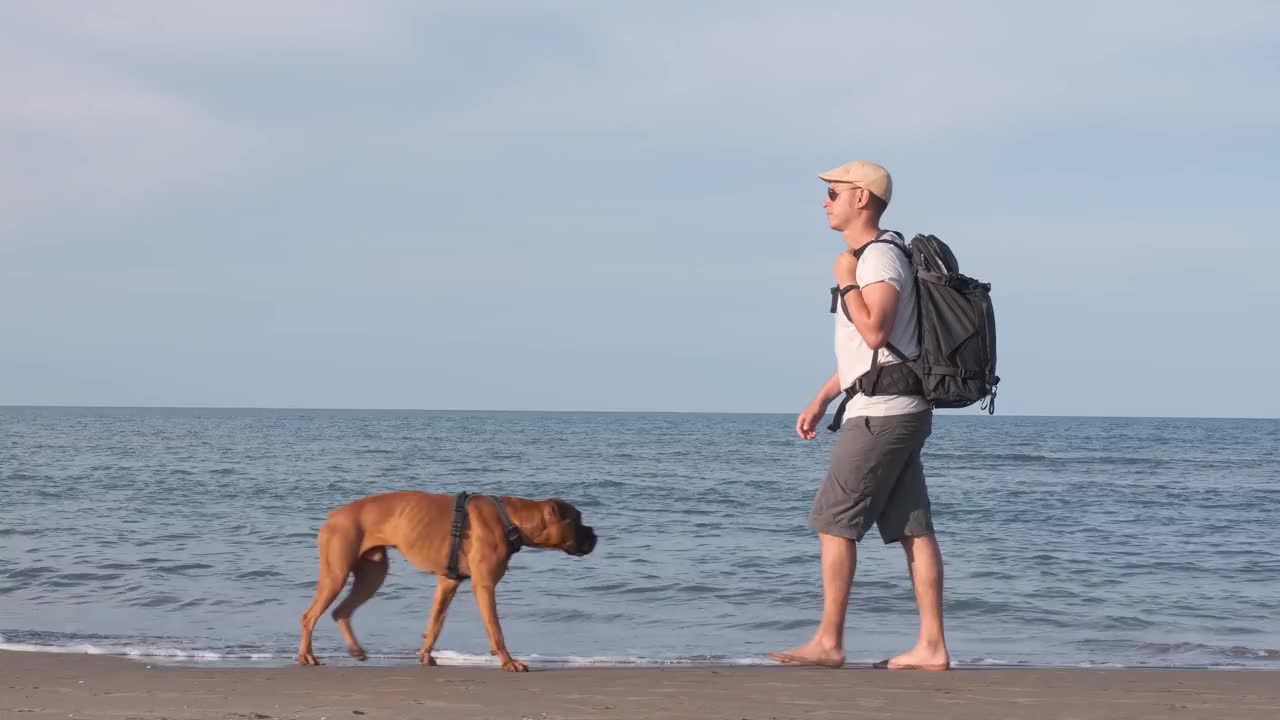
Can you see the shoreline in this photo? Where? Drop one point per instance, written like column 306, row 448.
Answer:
column 61, row 685
column 267, row 661
column 178, row 658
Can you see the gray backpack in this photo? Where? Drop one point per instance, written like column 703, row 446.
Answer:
column 956, row 366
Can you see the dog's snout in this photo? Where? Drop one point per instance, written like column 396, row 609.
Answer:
column 584, row 541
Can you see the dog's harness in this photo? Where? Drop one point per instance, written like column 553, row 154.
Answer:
column 509, row 530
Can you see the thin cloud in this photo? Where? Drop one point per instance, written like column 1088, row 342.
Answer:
column 225, row 27
column 898, row 71
column 80, row 137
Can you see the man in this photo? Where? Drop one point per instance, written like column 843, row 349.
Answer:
column 875, row 475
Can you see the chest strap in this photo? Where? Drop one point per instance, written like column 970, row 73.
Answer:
column 509, row 530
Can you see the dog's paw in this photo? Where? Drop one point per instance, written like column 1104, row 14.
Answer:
column 307, row 659
column 514, row 665
column 424, row 658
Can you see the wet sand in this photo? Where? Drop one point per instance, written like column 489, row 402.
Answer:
column 38, row 685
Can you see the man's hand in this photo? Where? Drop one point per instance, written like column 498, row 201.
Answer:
column 807, row 423
column 846, row 269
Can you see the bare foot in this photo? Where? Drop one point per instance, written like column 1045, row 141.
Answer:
column 513, row 665
column 918, row 658
column 307, row 659
column 357, row 652
column 811, row 653
column 425, row 658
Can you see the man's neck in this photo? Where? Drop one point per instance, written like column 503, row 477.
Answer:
column 856, row 237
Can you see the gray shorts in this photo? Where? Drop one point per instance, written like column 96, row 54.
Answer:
column 876, row 477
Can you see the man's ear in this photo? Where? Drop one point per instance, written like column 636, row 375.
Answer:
column 864, row 198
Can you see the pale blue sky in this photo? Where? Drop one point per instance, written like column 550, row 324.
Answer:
column 606, row 206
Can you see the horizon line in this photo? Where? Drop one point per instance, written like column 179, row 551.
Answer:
column 945, row 412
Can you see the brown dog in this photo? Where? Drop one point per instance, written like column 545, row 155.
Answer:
column 355, row 537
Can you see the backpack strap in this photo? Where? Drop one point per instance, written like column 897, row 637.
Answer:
column 837, row 297
column 875, row 356
column 881, row 239
column 867, row 383
column 838, row 293
column 902, row 357
column 838, row 419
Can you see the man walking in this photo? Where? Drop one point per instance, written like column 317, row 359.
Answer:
column 875, row 475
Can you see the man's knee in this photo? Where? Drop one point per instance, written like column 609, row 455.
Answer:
column 926, row 542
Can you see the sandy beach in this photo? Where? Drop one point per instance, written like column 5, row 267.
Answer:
column 37, row 685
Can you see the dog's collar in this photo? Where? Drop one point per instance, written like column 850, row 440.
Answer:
column 510, row 531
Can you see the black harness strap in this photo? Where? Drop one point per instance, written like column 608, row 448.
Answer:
column 510, row 531
column 455, row 534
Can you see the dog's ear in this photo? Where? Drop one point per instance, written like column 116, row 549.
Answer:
column 561, row 509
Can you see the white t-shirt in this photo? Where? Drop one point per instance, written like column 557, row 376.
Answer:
column 880, row 263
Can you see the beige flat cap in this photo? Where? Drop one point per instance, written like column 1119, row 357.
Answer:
column 864, row 174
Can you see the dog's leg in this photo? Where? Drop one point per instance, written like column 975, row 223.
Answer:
column 488, row 604
column 370, row 570
column 445, row 590
column 338, row 547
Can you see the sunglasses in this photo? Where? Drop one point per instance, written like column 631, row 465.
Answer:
column 832, row 193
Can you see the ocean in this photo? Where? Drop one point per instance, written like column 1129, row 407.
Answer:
column 188, row 535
